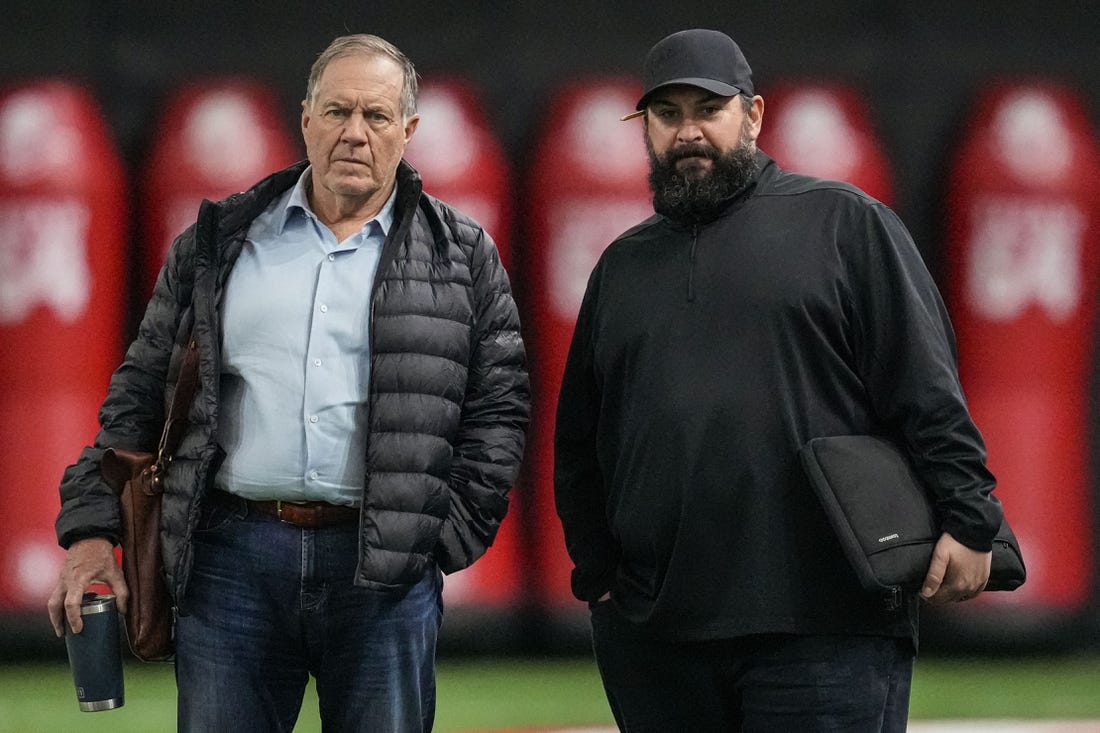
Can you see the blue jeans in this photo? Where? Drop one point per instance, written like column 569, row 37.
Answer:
column 759, row 684
column 270, row 603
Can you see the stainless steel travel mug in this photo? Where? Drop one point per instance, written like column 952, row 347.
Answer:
column 95, row 655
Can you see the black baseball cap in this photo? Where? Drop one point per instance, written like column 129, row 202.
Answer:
column 700, row 58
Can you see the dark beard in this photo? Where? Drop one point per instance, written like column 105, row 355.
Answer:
column 698, row 199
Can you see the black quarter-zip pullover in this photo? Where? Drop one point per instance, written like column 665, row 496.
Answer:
column 704, row 357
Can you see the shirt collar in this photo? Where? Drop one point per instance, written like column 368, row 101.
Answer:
column 298, row 201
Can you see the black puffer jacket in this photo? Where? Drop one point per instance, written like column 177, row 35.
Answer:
column 449, row 396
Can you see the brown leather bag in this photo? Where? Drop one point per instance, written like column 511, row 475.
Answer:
column 136, row 477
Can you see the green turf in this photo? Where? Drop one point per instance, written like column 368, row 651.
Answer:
column 1058, row 687
column 479, row 694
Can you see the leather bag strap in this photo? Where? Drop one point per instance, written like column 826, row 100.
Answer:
column 176, row 421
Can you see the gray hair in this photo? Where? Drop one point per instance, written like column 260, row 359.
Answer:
column 363, row 43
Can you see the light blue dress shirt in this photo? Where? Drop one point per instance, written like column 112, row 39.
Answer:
column 296, row 356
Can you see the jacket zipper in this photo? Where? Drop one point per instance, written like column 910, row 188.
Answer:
column 691, row 264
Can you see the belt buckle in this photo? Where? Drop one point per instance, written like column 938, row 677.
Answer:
column 279, row 509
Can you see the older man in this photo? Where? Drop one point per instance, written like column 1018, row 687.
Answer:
column 359, row 422
column 757, row 310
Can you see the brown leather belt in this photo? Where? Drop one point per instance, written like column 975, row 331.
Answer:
column 308, row 514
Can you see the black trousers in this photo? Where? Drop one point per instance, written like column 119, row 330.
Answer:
column 759, row 684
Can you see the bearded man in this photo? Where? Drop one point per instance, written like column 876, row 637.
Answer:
column 758, row 309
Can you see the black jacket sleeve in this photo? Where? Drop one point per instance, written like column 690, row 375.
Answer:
column 909, row 365
column 132, row 414
column 580, row 492
column 489, row 446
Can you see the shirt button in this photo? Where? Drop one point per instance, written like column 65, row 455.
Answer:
column 332, row 258
column 313, row 418
column 313, row 474
column 316, row 362
column 324, row 309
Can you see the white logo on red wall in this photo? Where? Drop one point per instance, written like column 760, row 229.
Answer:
column 43, row 258
column 34, row 142
column 815, row 135
column 1032, row 139
column 223, row 136
column 586, row 227
column 1025, row 251
column 36, row 567
column 446, row 144
column 601, row 148
column 600, row 143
